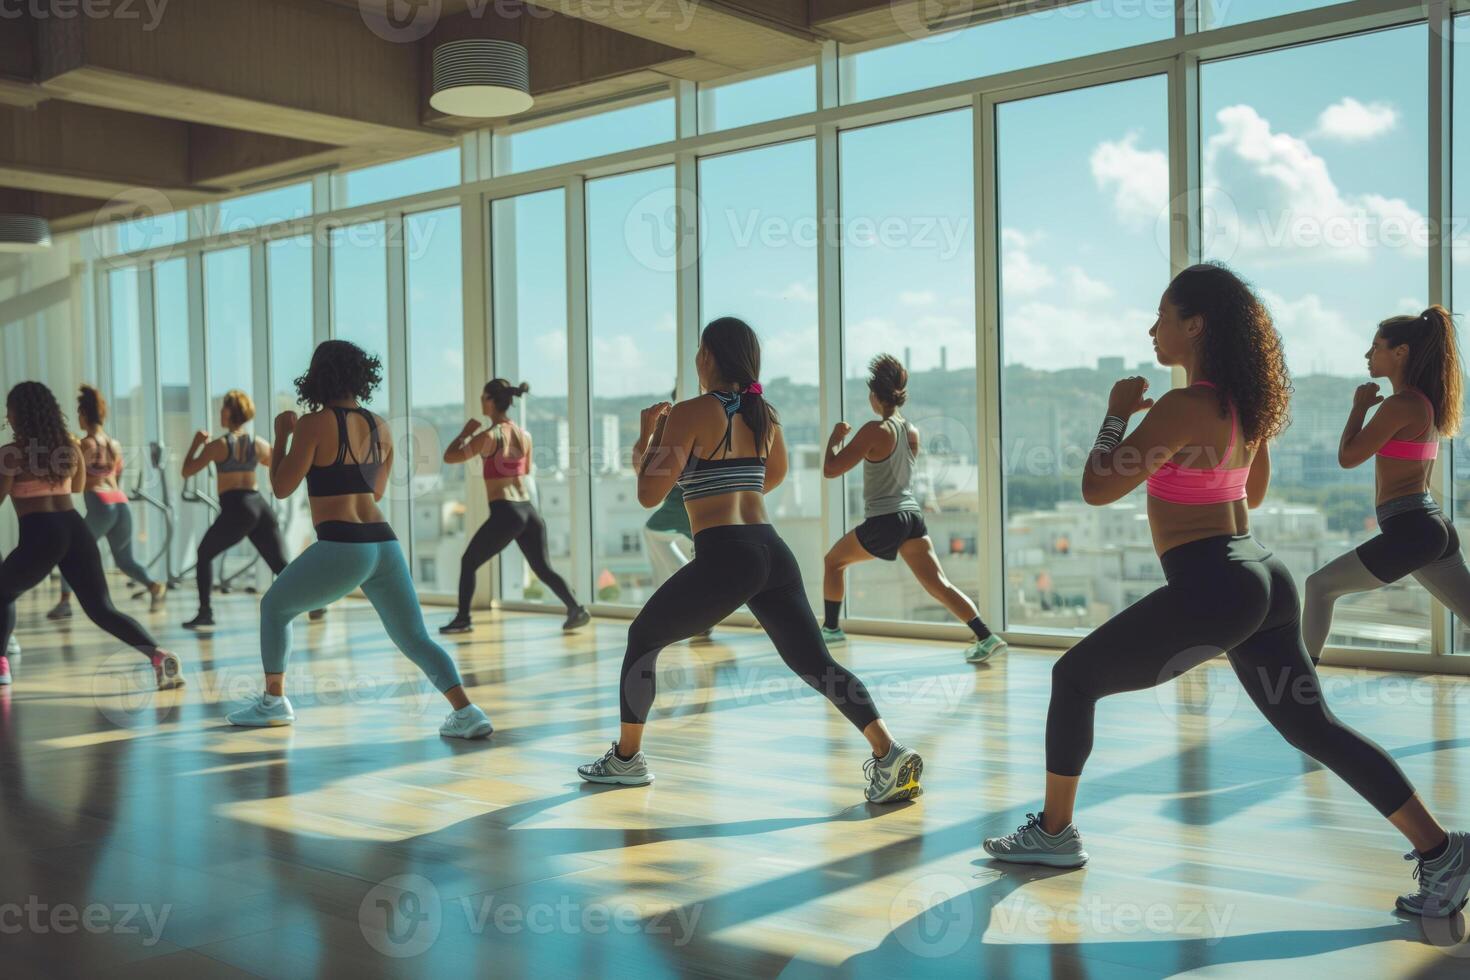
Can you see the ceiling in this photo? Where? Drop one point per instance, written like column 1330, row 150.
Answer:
column 162, row 104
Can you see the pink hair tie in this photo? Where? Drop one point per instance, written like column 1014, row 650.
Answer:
column 754, row 388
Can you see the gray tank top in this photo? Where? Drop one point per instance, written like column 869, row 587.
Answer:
column 886, row 482
column 239, row 455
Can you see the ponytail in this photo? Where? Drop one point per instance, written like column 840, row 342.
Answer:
column 736, row 352
column 501, row 392
column 1434, row 361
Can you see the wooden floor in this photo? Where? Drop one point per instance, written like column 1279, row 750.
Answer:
column 140, row 836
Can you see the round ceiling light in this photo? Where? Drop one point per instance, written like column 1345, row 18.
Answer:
column 24, row 233
column 481, row 78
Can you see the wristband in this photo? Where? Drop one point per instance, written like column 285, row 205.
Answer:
column 1110, row 434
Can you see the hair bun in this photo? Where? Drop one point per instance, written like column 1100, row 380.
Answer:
column 524, row 388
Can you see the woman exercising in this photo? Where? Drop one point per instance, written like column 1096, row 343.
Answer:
column 40, row 468
column 108, row 513
column 1419, row 357
column 1202, row 450
column 505, row 449
column 243, row 512
column 725, row 451
column 893, row 523
column 344, row 453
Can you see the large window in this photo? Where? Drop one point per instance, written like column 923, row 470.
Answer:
column 437, row 396
column 1224, row 13
column 238, row 215
column 908, row 289
column 625, row 128
column 129, row 402
column 171, row 323
column 401, row 178
column 630, row 320
column 1301, row 201
column 1083, row 181
column 360, row 295
column 529, row 284
column 1459, row 458
column 289, row 298
column 1068, row 30
column 755, row 100
column 759, row 262
column 228, row 327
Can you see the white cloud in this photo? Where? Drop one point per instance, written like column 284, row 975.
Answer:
column 1069, row 334
column 794, row 292
column 1353, row 122
column 1138, row 179
column 921, row 297
column 1313, row 334
column 1086, row 290
column 1021, row 275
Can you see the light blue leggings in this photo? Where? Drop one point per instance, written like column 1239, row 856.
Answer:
column 329, row 570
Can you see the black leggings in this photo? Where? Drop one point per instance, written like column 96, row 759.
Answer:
column 1223, row 594
column 242, row 514
column 735, row 565
column 510, row 520
column 62, row 539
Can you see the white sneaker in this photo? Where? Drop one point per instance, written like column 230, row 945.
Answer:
column 467, row 722
column 611, row 769
column 1032, row 845
column 982, row 650
column 167, row 670
column 1444, row 884
column 895, row 776
column 266, row 711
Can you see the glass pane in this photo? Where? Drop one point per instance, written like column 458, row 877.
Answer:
column 228, row 328
column 241, row 214
column 1082, row 181
column 127, row 403
column 630, row 318
column 908, row 273
column 1294, row 144
column 1460, row 447
column 587, row 136
column 360, row 295
column 171, row 311
column 154, row 231
column 759, row 262
column 754, row 100
column 1018, row 41
column 289, row 295
column 436, row 389
column 1223, row 13
column 401, row 178
column 529, row 283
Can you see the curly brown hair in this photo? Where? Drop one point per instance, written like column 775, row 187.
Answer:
column 338, row 369
column 1240, row 348
column 91, row 407
column 1434, row 361
column 889, row 381
column 40, row 430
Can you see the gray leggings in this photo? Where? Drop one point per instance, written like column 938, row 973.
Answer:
column 115, row 523
column 1420, row 542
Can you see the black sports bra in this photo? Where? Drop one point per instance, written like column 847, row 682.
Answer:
column 347, row 474
column 242, row 462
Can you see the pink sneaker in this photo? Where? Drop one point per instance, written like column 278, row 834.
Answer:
column 4, row 671
column 167, row 669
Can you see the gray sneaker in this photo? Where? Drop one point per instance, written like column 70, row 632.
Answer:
column 894, row 777
column 265, row 711
column 611, row 769
column 1444, row 884
column 1032, row 845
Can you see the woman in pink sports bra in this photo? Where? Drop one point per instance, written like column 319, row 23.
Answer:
column 504, row 450
column 1202, row 452
column 40, row 468
column 108, row 513
column 1420, row 358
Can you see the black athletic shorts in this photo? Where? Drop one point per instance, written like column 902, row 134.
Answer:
column 881, row 536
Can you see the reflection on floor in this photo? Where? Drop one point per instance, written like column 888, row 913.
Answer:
column 139, row 836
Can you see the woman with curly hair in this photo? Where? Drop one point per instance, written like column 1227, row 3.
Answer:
column 108, row 513
column 1421, row 360
column 39, row 470
column 1203, row 452
column 893, row 522
column 344, row 453
column 243, row 512
column 505, row 449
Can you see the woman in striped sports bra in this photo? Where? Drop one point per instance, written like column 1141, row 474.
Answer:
column 1203, row 452
column 893, row 522
column 1420, row 358
column 108, row 513
column 40, row 468
column 725, row 451
column 344, row 453
column 505, row 453
column 243, row 512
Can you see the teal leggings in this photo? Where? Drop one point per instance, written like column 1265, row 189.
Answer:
column 329, row 570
